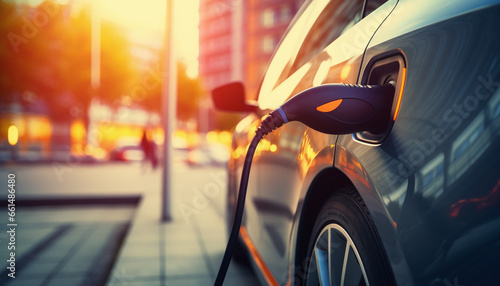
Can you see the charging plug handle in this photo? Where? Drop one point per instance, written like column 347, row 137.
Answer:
column 331, row 109
column 341, row 108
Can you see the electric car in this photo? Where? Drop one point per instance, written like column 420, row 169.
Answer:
column 415, row 203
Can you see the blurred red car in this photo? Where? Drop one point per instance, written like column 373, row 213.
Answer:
column 127, row 149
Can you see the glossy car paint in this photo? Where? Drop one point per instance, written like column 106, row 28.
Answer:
column 302, row 152
column 437, row 173
column 432, row 187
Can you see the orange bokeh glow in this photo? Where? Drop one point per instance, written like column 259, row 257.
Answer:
column 13, row 135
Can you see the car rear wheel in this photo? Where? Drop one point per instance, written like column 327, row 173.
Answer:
column 344, row 248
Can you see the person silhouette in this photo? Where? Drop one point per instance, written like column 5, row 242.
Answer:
column 148, row 146
column 145, row 146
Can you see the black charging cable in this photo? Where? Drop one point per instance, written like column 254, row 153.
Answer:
column 273, row 121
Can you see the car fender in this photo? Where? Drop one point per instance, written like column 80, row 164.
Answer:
column 333, row 167
column 321, row 162
column 347, row 164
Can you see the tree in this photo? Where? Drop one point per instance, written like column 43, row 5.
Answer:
column 118, row 68
column 189, row 93
column 48, row 53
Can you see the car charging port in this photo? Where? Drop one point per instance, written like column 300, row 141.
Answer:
column 388, row 68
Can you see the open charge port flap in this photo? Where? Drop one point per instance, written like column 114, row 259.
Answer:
column 386, row 68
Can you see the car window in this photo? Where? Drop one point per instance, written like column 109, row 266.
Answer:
column 372, row 5
column 281, row 62
column 337, row 17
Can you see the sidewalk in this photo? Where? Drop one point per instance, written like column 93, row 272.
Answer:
column 186, row 251
column 117, row 241
column 64, row 245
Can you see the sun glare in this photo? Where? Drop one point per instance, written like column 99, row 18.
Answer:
column 145, row 21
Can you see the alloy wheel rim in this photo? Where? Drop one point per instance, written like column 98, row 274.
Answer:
column 335, row 259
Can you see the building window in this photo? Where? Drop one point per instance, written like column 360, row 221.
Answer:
column 286, row 14
column 217, row 44
column 372, row 5
column 267, row 18
column 267, row 44
column 219, row 62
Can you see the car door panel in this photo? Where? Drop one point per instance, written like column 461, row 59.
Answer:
column 284, row 157
column 437, row 173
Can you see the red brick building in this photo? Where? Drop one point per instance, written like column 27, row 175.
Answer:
column 238, row 37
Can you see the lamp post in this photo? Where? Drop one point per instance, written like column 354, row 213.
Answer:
column 169, row 103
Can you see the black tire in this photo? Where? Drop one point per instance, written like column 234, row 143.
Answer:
column 344, row 220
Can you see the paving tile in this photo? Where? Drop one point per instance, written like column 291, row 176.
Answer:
column 155, row 281
column 214, row 242
column 215, row 254
column 137, row 267
column 145, row 231
column 102, row 236
column 94, row 279
column 137, row 235
column 185, row 265
column 124, row 275
column 144, row 250
column 25, row 281
column 179, row 237
column 78, row 265
column 177, row 228
column 201, row 280
column 39, row 268
column 64, row 244
column 66, row 281
column 177, row 249
column 192, row 251
column 115, row 214
column 76, row 214
column 26, row 239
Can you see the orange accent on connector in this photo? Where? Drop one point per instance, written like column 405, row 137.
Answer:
column 257, row 258
column 398, row 104
column 329, row 106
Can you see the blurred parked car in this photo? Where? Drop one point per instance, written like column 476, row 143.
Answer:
column 127, row 149
column 211, row 154
column 418, row 204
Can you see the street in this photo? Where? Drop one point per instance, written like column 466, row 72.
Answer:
column 82, row 179
column 128, row 240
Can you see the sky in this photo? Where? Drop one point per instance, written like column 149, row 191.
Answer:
column 144, row 21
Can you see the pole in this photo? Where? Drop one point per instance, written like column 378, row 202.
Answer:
column 169, row 103
column 95, row 70
column 95, row 43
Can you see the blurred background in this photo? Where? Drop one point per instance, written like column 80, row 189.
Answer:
column 81, row 91
column 86, row 76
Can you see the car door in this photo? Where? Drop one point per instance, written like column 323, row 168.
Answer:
column 434, row 178
column 332, row 38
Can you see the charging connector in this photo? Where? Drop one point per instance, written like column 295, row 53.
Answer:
column 331, row 109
